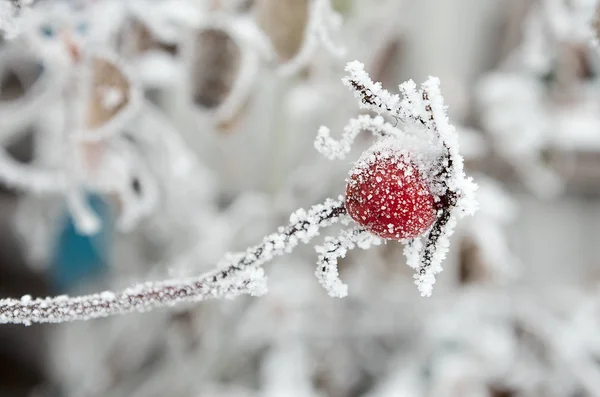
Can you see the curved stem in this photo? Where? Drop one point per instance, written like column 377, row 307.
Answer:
column 335, row 249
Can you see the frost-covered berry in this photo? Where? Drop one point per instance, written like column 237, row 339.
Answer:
column 387, row 196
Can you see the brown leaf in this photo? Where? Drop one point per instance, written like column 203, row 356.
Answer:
column 106, row 76
column 284, row 21
column 215, row 67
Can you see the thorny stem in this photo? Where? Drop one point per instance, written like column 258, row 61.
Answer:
column 368, row 98
column 241, row 274
column 332, row 253
column 446, row 202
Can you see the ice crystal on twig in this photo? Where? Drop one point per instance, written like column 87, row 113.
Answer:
column 238, row 274
column 333, row 149
column 335, row 249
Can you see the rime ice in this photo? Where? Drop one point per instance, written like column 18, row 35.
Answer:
column 237, row 274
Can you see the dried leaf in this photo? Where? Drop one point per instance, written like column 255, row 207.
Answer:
column 110, row 93
column 284, row 21
column 137, row 39
column 215, row 67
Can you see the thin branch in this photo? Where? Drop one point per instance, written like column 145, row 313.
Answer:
column 447, row 202
column 337, row 149
column 238, row 274
column 335, row 249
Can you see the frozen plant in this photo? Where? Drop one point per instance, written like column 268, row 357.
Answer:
column 409, row 186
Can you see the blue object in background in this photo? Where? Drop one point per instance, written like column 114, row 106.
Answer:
column 79, row 259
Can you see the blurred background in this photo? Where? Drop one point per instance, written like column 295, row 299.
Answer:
column 205, row 114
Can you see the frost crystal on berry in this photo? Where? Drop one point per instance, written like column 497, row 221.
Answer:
column 387, row 196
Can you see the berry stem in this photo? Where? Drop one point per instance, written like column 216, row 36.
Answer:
column 239, row 274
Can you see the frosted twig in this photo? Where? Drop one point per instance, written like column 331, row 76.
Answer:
column 438, row 241
column 332, row 149
column 335, row 249
column 408, row 108
column 239, row 274
column 372, row 95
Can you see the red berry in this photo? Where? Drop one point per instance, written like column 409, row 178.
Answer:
column 387, row 196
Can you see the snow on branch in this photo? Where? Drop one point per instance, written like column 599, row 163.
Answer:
column 332, row 149
column 335, row 249
column 238, row 274
column 436, row 161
